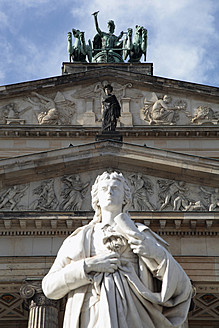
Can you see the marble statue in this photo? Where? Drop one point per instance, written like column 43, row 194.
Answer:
column 111, row 110
column 117, row 273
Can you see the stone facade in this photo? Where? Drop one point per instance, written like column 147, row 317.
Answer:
column 50, row 158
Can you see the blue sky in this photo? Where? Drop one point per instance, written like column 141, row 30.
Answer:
column 183, row 35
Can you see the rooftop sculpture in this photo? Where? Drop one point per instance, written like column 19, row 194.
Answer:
column 106, row 47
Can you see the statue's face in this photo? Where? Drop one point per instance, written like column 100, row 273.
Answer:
column 111, row 194
column 107, row 91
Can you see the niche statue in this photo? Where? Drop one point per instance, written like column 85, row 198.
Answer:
column 117, row 274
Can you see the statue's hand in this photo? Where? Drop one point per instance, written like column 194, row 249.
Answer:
column 139, row 247
column 107, row 262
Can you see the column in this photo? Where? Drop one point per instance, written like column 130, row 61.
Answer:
column 43, row 312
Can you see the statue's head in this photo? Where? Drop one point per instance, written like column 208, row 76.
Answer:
column 69, row 36
column 108, row 87
column 167, row 99
column 111, row 26
column 98, row 192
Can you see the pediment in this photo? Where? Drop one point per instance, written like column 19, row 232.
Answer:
column 76, row 98
column 62, row 179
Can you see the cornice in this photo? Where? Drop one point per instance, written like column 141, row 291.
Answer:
column 137, row 132
column 63, row 224
column 158, row 84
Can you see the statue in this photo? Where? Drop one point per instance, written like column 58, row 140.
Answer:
column 117, row 273
column 107, row 46
column 79, row 50
column 111, row 110
column 136, row 48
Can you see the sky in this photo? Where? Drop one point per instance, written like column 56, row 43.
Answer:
column 183, row 35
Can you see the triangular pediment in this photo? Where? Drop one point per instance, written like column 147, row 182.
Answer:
column 76, row 97
column 58, row 173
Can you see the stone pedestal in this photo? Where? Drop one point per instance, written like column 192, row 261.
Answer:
column 110, row 135
column 43, row 313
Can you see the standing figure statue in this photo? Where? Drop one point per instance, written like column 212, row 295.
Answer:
column 107, row 46
column 117, row 273
column 111, row 110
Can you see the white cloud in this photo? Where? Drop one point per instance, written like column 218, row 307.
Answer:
column 181, row 34
column 179, row 31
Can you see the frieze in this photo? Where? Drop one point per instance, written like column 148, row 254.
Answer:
column 72, row 193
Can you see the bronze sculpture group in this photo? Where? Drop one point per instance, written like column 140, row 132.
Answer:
column 106, row 47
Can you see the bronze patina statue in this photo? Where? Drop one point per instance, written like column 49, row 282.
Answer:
column 106, row 46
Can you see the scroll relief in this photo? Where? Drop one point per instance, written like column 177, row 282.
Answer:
column 72, row 193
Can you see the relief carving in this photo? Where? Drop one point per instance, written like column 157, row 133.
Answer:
column 46, row 197
column 10, row 198
column 53, row 112
column 9, row 114
column 163, row 111
column 73, row 193
column 141, row 188
column 173, row 193
column 205, row 114
column 213, row 198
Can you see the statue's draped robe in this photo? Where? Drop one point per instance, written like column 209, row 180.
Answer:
column 142, row 293
column 111, row 112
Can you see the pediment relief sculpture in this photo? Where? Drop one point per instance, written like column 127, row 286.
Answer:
column 10, row 198
column 12, row 114
column 46, row 197
column 71, row 193
column 51, row 111
column 164, row 111
column 205, row 114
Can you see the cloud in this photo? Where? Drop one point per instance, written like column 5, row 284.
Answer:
column 182, row 35
column 180, row 32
